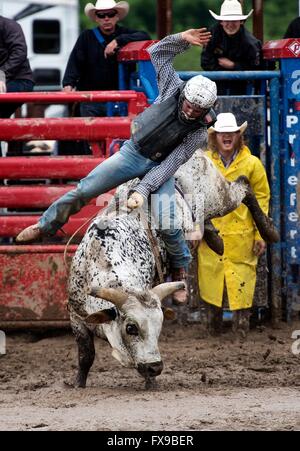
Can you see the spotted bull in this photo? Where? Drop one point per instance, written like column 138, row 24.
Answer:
column 113, row 271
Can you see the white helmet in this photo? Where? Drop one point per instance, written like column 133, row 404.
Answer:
column 200, row 91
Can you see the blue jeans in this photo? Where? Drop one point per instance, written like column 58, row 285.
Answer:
column 100, row 109
column 92, row 109
column 7, row 109
column 120, row 168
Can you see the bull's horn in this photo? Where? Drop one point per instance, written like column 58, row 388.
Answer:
column 117, row 297
column 165, row 289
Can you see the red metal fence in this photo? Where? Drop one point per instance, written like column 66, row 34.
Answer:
column 33, row 277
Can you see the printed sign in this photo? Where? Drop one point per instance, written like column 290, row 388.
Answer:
column 294, row 47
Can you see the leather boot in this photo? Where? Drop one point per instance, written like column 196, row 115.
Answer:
column 214, row 319
column 180, row 296
column 241, row 322
column 31, row 233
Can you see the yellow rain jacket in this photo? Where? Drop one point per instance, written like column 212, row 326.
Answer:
column 238, row 264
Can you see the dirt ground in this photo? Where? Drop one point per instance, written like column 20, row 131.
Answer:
column 209, row 383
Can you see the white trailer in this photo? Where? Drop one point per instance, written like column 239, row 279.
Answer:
column 51, row 28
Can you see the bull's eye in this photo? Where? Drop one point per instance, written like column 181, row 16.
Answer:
column 131, row 329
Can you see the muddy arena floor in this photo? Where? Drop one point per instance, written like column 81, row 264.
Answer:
column 208, row 383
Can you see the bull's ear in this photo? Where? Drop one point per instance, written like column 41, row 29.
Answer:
column 103, row 316
column 165, row 289
column 116, row 296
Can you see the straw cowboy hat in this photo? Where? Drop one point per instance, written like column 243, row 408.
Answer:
column 226, row 123
column 105, row 5
column 231, row 10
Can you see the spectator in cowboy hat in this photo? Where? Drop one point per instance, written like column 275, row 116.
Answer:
column 232, row 47
column 93, row 61
column 93, row 64
column 231, row 279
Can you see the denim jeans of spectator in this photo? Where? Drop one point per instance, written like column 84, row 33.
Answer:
column 120, row 168
column 92, row 109
column 7, row 109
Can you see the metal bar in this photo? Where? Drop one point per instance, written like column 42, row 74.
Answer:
column 40, row 196
column 149, row 89
column 70, row 97
column 10, row 226
column 14, row 168
column 276, row 290
column 34, row 197
column 38, row 324
column 137, row 101
column 91, row 129
column 233, row 75
column 37, row 249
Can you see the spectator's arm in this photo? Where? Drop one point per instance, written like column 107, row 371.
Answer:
column 14, row 41
column 75, row 63
column 209, row 61
column 252, row 59
column 2, row 82
column 132, row 36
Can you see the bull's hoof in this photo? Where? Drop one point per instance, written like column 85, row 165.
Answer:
column 212, row 239
column 80, row 381
column 150, row 383
column 74, row 384
column 69, row 384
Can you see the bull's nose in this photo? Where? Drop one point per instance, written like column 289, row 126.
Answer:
column 150, row 369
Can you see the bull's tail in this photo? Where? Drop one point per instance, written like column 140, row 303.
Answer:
column 263, row 223
column 212, row 238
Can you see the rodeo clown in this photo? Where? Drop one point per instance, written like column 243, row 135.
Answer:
column 163, row 137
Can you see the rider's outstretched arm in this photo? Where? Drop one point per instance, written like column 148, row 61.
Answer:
column 163, row 53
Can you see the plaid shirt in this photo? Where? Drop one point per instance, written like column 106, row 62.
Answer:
column 162, row 55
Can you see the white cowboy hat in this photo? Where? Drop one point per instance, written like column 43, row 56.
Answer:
column 231, row 10
column 105, row 5
column 226, row 122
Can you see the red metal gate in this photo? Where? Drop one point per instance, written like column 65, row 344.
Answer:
column 33, row 277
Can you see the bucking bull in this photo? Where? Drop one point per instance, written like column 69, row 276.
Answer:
column 112, row 277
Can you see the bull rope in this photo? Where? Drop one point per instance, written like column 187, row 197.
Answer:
column 73, row 236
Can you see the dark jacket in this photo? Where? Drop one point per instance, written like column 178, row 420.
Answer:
column 87, row 69
column 242, row 48
column 14, row 64
column 293, row 30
